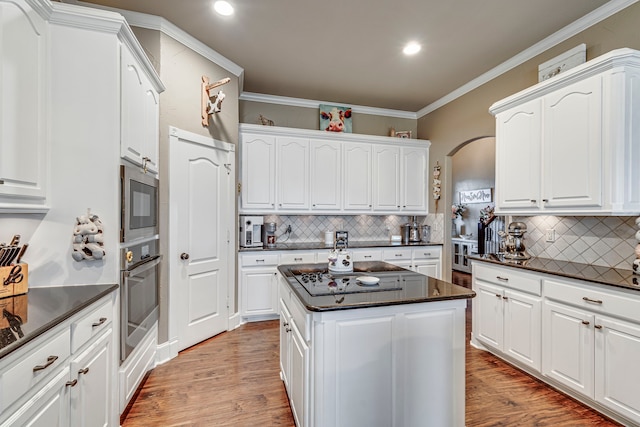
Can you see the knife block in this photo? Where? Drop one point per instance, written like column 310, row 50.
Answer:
column 14, row 288
column 16, row 306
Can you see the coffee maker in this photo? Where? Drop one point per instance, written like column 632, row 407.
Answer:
column 251, row 231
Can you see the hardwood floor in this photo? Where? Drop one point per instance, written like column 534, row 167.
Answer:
column 233, row 380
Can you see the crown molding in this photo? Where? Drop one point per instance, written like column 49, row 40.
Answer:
column 310, row 103
column 158, row 23
column 600, row 14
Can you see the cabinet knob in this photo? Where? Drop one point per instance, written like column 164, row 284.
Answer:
column 84, row 371
column 533, row 200
column 71, row 383
column 597, row 326
column 585, row 322
column 505, row 298
column 545, row 200
column 184, row 256
column 287, row 329
column 498, row 295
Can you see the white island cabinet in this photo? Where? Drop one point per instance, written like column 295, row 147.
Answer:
column 378, row 365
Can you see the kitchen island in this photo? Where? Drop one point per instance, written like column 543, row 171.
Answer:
column 390, row 353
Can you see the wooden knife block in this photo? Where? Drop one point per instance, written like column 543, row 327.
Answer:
column 14, row 288
column 16, row 306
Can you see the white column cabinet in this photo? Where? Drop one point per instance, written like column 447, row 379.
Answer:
column 326, row 175
column 567, row 145
column 140, row 103
column 386, row 178
column 258, row 172
column 296, row 171
column 357, row 174
column 292, row 173
column 23, row 108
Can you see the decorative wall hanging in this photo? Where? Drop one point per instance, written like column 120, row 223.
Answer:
column 265, row 122
column 436, row 182
column 476, row 196
column 335, row 119
column 88, row 238
column 211, row 103
column 562, row 62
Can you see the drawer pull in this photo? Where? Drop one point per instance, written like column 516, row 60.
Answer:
column 99, row 322
column 50, row 361
column 427, row 254
column 285, row 324
column 84, row 371
column 597, row 326
column 502, row 279
column 297, row 259
column 505, row 298
column 367, row 256
column 259, row 260
column 595, row 301
column 71, row 383
column 585, row 322
column 499, row 296
column 287, row 329
column 398, row 254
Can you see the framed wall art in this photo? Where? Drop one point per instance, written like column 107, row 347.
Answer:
column 476, row 196
column 334, row 118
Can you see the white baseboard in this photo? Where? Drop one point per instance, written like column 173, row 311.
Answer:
column 234, row 321
column 166, row 351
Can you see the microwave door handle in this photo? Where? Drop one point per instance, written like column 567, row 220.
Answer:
column 147, row 264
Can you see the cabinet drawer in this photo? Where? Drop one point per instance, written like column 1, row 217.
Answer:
column 298, row 258
column 397, row 254
column 509, row 278
column 43, row 357
column 86, row 328
column 427, row 252
column 367, row 255
column 249, row 260
column 594, row 298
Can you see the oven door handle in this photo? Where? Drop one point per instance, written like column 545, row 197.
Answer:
column 146, row 264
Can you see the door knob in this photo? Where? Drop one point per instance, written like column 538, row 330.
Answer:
column 184, row 256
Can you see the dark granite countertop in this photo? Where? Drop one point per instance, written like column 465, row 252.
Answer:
column 41, row 309
column 284, row 246
column 573, row 270
column 413, row 288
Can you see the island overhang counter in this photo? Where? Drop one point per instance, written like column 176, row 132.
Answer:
column 390, row 353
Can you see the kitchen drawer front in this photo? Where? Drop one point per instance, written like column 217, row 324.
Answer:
column 45, row 357
column 284, row 290
column 509, row 278
column 367, row 255
column 398, row 254
column 90, row 325
column 427, row 252
column 297, row 257
column 252, row 260
column 594, row 298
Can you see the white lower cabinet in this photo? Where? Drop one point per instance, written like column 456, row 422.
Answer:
column 582, row 337
column 48, row 383
column 507, row 313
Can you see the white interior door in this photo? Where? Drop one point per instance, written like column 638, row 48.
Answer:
column 201, row 219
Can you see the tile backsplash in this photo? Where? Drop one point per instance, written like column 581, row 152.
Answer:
column 606, row 241
column 311, row 228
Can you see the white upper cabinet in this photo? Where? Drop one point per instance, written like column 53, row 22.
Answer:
column 23, row 108
column 570, row 145
column 323, row 172
column 140, row 109
column 357, row 176
column 326, row 175
column 258, row 172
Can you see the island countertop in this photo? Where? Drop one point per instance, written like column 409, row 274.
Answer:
column 410, row 287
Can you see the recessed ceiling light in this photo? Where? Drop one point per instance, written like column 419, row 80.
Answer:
column 411, row 48
column 223, row 8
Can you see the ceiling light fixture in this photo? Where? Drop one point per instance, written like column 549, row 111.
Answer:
column 223, row 7
column 411, row 48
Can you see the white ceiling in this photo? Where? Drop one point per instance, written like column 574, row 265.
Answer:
column 349, row 51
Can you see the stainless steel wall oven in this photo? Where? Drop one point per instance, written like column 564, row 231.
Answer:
column 139, row 193
column 138, row 293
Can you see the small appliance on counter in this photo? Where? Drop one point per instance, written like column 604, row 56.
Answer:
column 411, row 231
column 269, row 237
column 251, row 231
column 513, row 241
column 340, row 259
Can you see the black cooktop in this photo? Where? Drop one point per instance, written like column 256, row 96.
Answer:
column 323, row 282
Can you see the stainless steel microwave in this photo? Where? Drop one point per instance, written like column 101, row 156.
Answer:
column 139, row 204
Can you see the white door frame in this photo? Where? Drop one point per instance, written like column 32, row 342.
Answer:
column 175, row 135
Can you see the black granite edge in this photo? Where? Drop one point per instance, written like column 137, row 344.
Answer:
column 608, row 276
column 102, row 291
column 352, row 245
column 307, row 300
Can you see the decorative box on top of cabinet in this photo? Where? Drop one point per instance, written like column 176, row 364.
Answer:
column 23, row 120
column 297, row 171
column 569, row 145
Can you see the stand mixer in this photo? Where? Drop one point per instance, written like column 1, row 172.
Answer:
column 340, row 259
column 513, row 241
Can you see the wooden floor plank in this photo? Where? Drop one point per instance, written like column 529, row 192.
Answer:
column 233, row 380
